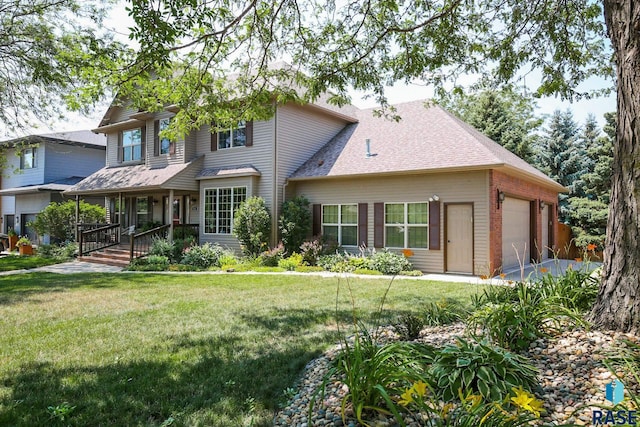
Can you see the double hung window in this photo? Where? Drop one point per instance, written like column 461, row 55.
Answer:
column 406, row 225
column 340, row 223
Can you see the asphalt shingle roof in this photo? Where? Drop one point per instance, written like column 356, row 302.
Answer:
column 427, row 138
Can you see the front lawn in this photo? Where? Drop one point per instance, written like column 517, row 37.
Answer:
column 16, row 262
column 214, row 350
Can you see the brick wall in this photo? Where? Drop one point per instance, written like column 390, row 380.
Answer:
column 516, row 187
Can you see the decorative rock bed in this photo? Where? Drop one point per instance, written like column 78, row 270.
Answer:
column 572, row 379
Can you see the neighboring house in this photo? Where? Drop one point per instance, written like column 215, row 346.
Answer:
column 429, row 183
column 39, row 168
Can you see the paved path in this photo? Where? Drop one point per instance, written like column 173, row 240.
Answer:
column 68, row 268
column 532, row 271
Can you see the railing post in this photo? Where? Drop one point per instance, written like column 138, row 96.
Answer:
column 80, row 242
column 132, row 242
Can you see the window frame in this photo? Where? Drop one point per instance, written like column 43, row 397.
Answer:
column 234, row 204
column 33, row 164
column 166, row 120
column 406, row 225
column 232, row 136
column 124, row 147
column 340, row 224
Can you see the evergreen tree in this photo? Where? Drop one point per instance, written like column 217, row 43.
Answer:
column 561, row 157
column 588, row 214
column 504, row 115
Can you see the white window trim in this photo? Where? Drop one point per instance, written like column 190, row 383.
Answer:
column 141, row 159
column 240, row 125
column 217, row 216
column 406, row 224
column 34, row 162
column 339, row 224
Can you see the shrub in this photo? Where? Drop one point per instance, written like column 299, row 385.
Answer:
column 310, row 251
column 65, row 251
column 444, row 312
column 58, row 219
column 228, row 259
column 479, row 367
column 295, row 223
column 271, row 257
column 150, row 263
column 205, row 256
column 409, row 326
column 252, row 225
column 389, row 263
column 163, row 247
column 291, row 263
column 329, row 261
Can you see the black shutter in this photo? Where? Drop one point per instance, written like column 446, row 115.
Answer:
column 363, row 229
column 378, row 225
column 434, row 225
column 317, row 219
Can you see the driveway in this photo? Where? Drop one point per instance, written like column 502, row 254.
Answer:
column 554, row 266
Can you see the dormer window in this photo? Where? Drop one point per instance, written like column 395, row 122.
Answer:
column 234, row 137
column 28, row 158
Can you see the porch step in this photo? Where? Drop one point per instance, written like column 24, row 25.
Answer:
column 110, row 256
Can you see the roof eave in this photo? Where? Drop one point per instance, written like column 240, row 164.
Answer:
column 399, row 173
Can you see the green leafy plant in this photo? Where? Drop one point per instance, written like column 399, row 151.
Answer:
column 60, row 412
column 388, row 262
column 58, row 219
column 64, row 251
column 574, row 289
column 271, row 257
column 291, row 263
column 11, row 232
column 150, row 263
column 411, row 273
column 479, row 367
column 163, row 247
column 515, row 324
column 408, row 326
column 328, row 262
column 228, row 259
column 310, row 251
column 370, row 371
column 205, row 256
column 470, row 410
column 367, row 272
column 295, row 223
column 23, row 241
column 444, row 312
column 252, row 225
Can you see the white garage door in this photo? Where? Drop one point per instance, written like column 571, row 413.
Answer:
column 515, row 232
column 545, row 233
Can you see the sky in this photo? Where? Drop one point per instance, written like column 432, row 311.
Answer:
column 119, row 22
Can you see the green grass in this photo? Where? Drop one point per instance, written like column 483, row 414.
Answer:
column 148, row 349
column 15, row 262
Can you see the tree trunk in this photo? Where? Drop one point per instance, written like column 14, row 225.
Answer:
column 618, row 303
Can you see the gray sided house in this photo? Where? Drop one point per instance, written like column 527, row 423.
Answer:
column 39, row 168
column 430, row 184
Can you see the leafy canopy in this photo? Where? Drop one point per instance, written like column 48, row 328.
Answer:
column 188, row 50
column 50, row 50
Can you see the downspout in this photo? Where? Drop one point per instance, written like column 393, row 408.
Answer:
column 274, row 217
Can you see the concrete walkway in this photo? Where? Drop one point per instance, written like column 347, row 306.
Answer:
column 532, row 271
